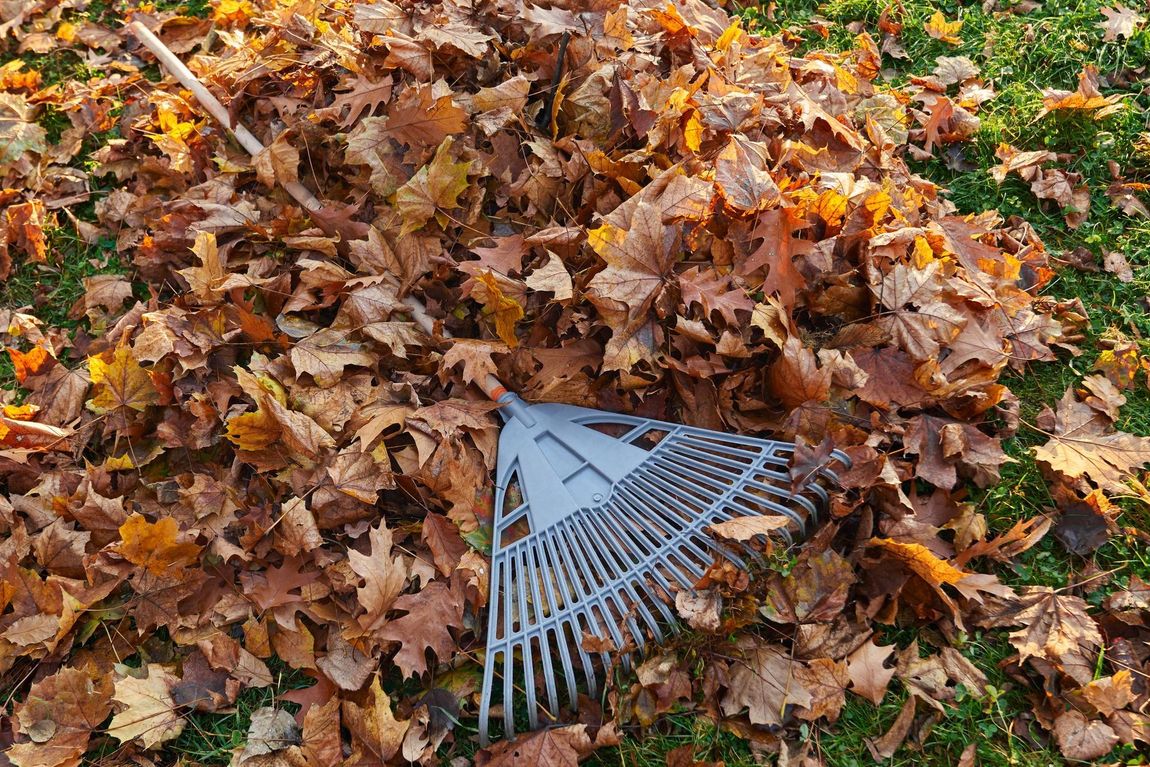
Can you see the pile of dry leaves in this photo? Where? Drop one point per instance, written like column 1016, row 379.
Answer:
column 254, row 452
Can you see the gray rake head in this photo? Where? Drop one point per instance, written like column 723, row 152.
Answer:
column 599, row 519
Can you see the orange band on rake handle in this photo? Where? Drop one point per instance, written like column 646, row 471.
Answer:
column 492, row 388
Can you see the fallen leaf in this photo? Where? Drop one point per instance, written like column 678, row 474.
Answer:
column 764, row 681
column 154, row 546
column 868, row 674
column 147, row 711
column 1080, row 738
column 1083, row 444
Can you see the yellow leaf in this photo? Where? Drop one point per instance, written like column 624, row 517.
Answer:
column 606, row 239
column 831, row 207
column 923, row 254
column 941, row 29
column 730, row 34
column 66, row 32
column 693, row 133
column 506, row 310
column 154, row 546
column 233, row 12
column 253, row 431
column 120, row 383
column 921, row 561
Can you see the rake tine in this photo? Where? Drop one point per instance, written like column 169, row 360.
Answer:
column 592, row 531
column 628, row 585
column 537, row 576
column 579, row 597
column 757, row 485
column 680, row 540
column 584, row 554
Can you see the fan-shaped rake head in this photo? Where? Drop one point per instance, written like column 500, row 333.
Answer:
column 599, row 519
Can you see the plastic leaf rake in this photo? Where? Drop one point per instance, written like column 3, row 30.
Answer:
column 599, row 518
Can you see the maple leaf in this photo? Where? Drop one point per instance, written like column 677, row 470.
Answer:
column 764, row 680
column 795, row 378
column 121, row 383
column 431, row 613
column 420, row 118
column 206, row 278
column 153, row 546
column 58, row 717
column 639, row 260
column 1110, row 693
column 553, row 278
column 941, row 29
column 278, row 163
column 741, row 176
column 1120, row 22
column 919, row 320
column 1083, row 444
column 710, row 290
column 1080, row 738
column 434, row 187
column 548, row 747
column 384, row 577
column 868, row 673
column 1057, row 629
column 475, row 356
column 1087, row 98
column 326, row 353
column 148, row 711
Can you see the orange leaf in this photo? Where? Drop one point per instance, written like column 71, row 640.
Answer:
column 30, row 363
column 506, row 310
column 154, row 546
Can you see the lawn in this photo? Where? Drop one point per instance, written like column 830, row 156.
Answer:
column 1019, row 49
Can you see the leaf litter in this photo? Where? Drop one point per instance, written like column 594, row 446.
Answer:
column 632, row 206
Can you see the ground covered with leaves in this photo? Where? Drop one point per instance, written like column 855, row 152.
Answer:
column 246, row 500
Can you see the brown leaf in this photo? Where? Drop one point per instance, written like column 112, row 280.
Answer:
column 746, row 528
column 1083, row 444
column 1110, row 693
column 418, row 118
column 764, row 681
column 58, row 717
column 1056, row 628
column 549, row 747
column 431, row 614
column 1080, row 738
column 442, row 537
column 795, row 378
column 384, row 577
column 919, row 321
column 885, row 746
column 700, row 609
column 869, row 676
column 1120, row 22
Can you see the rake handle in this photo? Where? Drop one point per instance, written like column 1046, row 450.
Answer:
column 490, row 385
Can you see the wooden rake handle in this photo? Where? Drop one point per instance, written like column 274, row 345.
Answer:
column 491, row 385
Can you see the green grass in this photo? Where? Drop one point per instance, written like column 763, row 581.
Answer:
column 211, row 738
column 1018, row 54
